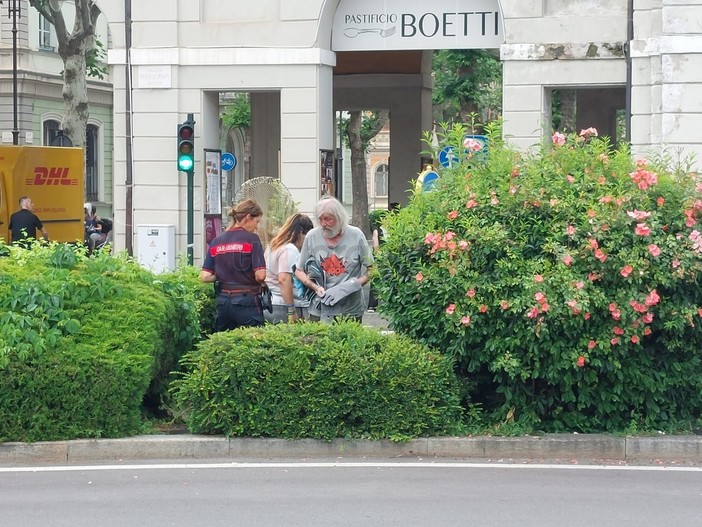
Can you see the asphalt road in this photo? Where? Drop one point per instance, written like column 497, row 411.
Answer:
column 350, row 494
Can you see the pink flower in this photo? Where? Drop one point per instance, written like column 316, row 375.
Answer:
column 540, row 297
column 676, row 264
column 570, row 179
column 593, row 243
column 471, row 203
column 558, row 139
column 647, row 318
column 644, row 178
column 635, row 339
column 600, row 255
column 647, row 331
column 567, row 260
column 616, row 314
column 581, row 361
column 626, row 270
column 638, row 307
column 452, row 215
column 538, row 278
column 654, row 249
column 504, row 305
column 545, row 307
column 472, row 145
column 588, row 132
column 483, row 308
column 470, row 293
column 642, row 229
column 579, row 285
column 592, row 344
column 465, row 320
column 618, row 330
column 652, row 299
column 450, row 309
column 612, row 307
column 533, row 312
column 587, row 316
column 614, row 341
column 638, row 215
column 660, row 201
column 419, row 277
column 570, row 230
column 463, row 245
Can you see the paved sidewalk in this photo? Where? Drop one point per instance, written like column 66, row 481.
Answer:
column 572, row 448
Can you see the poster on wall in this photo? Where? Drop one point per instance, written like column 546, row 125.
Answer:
column 213, row 182
column 326, row 165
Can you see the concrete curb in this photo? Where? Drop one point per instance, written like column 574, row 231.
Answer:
column 190, row 447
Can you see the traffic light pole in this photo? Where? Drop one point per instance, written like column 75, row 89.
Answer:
column 191, row 201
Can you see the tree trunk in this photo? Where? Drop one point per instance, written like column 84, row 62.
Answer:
column 359, row 182
column 75, row 95
column 73, row 47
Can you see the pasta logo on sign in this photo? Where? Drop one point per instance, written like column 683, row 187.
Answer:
column 366, row 25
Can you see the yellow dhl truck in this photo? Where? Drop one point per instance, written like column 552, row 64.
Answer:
column 53, row 178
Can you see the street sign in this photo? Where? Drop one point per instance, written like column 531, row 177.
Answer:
column 427, row 180
column 446, row 157
column 228, row 161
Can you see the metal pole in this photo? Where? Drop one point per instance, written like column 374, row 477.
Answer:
column 129, row 179
column 14, row 11
column 191, row 198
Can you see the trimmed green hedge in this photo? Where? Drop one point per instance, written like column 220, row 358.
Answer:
column 85, row 341
column 318, row 381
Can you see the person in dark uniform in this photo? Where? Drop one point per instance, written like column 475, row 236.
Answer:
column 24, row 224
column 235, row 262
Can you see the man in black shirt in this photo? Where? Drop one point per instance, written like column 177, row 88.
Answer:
column 24, row 223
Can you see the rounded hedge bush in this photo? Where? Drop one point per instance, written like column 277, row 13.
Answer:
column 317, row 381
column 565, row 282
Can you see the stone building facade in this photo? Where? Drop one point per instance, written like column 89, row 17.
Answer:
column 302, row 60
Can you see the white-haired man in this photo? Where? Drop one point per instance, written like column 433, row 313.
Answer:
column 342, row 254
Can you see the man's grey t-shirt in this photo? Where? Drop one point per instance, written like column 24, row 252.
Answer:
column 348, row 258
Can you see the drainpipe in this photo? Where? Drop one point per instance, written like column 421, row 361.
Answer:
column 129, row 181
column 629, row 66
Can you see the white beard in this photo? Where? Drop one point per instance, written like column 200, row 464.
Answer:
column 330, row 233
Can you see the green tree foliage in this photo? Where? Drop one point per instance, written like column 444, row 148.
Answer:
column 238, row 113
column 467, row 81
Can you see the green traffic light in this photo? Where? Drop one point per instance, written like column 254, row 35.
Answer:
column 185, row 163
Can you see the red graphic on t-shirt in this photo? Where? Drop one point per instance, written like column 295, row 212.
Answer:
column 333, row 266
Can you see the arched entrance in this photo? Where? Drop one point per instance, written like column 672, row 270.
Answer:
column 384, row 61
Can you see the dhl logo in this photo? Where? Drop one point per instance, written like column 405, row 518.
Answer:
column 51, row 176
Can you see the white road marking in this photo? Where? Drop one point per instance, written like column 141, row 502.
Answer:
column 400, row 465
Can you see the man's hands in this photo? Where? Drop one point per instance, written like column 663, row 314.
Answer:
column 341, row 291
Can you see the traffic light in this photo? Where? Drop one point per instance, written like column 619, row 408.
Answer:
column 186, row 146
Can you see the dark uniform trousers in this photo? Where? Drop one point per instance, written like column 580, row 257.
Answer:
column 236, row 310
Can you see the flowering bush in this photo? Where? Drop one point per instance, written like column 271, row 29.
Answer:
column 564, row 282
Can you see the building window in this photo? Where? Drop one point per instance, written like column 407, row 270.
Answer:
column 91, row 163
column 51, row 131
column 45, row 34
column 381, row 179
